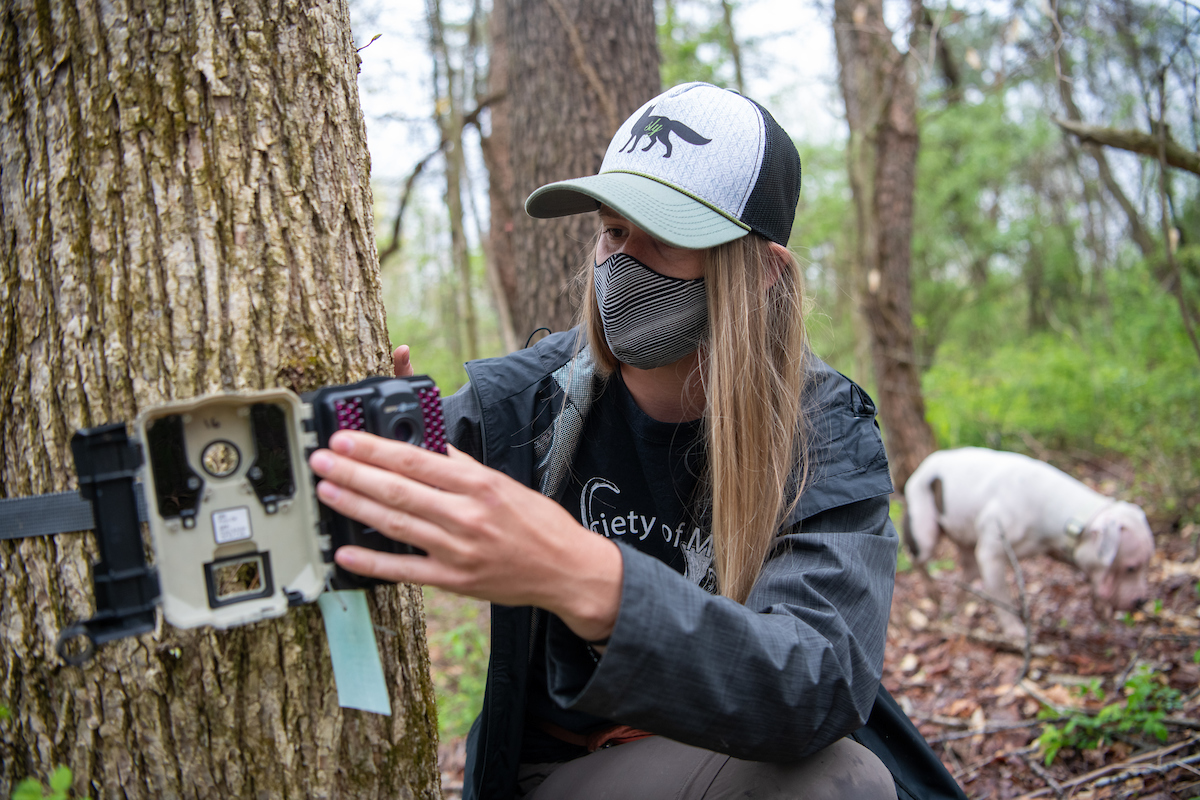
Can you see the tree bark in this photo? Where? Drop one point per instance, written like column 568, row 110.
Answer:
column 576, row 70
column 450, row 123
column 502, row 260
column 185, row 208
column 880, row 97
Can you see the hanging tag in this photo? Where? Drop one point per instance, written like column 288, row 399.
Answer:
column 357, row 670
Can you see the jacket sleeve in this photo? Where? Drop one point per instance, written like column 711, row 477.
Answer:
column 779, row 678
column 463, row 422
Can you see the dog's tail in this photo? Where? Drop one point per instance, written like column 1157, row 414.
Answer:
column 922, row 507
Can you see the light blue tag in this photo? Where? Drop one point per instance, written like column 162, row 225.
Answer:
column 357, row 670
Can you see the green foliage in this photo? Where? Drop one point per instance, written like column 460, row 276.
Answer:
column 903, row 560
column 693, row 43
column 823, row 240
column 5, row 714
column 423, row 298
column 32, row 789
column 459, row 690
column 1123, row 382
column 1147, row 701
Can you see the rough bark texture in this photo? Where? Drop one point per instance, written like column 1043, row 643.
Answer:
column 184, row 208
column 881, row 112
column 576, row 70
column 502, row 263
column 450, row 122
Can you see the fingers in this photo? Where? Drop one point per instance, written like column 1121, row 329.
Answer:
column 393, row 522
column 453, row 474
column 402, row 361
column 389, row 566
column 400, row 480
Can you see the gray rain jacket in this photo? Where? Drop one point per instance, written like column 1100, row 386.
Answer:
column 788, row 673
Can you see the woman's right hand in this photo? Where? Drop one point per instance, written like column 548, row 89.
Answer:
column 401, row 364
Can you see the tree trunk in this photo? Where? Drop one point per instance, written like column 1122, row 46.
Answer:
column 576, row 70
column 450, row 123
column 184, row 208
column 881, row 111
column 502, row 272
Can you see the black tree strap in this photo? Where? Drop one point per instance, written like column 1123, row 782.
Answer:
column 126, row 590
column 46, row 514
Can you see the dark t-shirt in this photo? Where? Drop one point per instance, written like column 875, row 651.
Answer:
column 634, row 480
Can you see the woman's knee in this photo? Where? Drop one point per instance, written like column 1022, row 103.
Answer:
column 843, row 771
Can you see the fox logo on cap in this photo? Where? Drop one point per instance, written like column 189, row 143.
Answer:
column 659, row 129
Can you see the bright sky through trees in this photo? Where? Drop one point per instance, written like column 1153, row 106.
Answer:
column 790, row 69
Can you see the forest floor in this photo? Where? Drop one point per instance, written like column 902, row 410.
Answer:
column 977, row 702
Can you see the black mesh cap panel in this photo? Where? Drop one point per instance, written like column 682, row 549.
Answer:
column 772, row 205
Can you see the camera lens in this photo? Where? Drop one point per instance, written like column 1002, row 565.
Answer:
column 403, row 430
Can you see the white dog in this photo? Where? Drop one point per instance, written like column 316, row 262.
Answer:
column 980, row 498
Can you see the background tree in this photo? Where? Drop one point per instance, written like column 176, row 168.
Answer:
column 574, row 70
column 449, row 89
column 880, row 97
column 184, row 208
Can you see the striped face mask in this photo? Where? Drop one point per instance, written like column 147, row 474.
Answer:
column 649, row 320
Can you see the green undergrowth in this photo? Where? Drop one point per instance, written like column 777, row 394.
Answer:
column 1119, row 384
column 458, row 648
column 460, row 688
column 58, row 789
column 1147, row 701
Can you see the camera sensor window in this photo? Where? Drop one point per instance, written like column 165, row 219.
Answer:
column 220, row 459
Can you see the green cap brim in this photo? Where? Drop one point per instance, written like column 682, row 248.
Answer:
column 663, row 212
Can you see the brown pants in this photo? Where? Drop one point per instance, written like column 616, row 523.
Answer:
column 660, row 769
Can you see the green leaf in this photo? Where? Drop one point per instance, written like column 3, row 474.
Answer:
column 60, row 780
column 28, row 789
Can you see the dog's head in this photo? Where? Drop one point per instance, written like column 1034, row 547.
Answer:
column 1115, row 551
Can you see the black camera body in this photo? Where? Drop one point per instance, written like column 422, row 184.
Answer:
column 404, row 409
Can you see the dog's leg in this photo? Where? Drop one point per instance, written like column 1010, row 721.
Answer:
column 992, row 559
column 969, row 564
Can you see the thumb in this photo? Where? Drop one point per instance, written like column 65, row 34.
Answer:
column 401, row 362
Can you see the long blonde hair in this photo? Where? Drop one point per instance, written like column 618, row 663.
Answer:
column 752, row 370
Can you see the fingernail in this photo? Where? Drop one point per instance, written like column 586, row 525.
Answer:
column 347, row 558
column 328, row 492
column 321, row 461
column 342, row 442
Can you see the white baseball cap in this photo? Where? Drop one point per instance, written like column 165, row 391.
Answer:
column 695, row 167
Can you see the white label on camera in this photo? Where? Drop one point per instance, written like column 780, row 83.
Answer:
column 231, row 525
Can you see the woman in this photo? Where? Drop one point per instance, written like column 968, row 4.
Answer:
column 682, row 523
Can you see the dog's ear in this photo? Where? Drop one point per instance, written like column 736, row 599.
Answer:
column 1098, row 545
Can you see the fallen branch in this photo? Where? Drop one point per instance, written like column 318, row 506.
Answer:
column 962, row 775
column 966, row 587
column 1106, row 771
column 1034, row 691
column 990, row 729
column 1020, row 576
column 1183, row 763
column 1040, row 771
column 994, row 640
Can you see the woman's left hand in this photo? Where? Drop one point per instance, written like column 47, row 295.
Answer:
column 487, row 536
